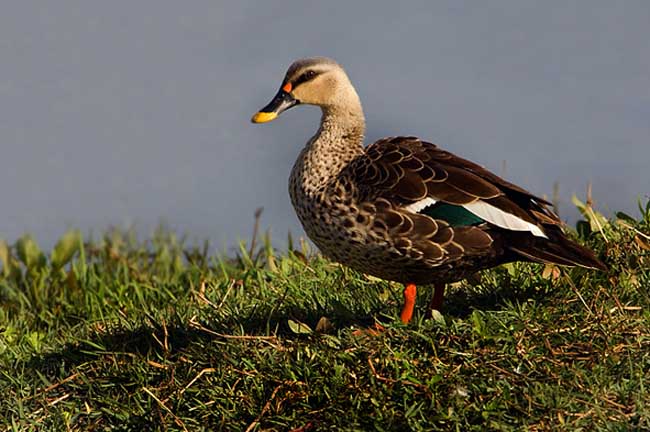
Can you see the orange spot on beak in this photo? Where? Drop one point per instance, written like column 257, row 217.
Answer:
column 287, row 87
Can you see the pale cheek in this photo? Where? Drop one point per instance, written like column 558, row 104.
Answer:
column 305, row 97
column 321, row 91
column 330, row 88
column 298, row 94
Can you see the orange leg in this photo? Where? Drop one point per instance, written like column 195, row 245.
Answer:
column 438, row 297
column 410, row 292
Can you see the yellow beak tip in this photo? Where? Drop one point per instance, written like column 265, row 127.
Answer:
column 263, row 117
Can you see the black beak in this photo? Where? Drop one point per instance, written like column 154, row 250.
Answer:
column 280, row 103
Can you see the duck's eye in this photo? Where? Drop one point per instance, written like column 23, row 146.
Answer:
column 306, row 76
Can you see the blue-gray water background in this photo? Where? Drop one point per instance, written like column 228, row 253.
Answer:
column 135, row 112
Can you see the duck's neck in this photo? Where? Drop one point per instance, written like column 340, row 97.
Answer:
column 343, row 125
column 338, row 141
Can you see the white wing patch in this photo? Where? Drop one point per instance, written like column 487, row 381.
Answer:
column 488, row 213
column 418, row 206
column 502, row 219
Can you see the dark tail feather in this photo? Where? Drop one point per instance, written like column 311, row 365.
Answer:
column 557, row 249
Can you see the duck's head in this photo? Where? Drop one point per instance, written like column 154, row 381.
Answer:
column 314, row 81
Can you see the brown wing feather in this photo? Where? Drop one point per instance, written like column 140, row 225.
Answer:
column 484, row 173
column 405, row 170
column 399, row 171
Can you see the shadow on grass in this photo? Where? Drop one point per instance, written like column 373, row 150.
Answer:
column 172, row 340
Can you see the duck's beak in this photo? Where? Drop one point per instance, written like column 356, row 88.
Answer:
column 281, row 102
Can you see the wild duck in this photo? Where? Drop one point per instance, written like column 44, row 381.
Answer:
column 403, row 209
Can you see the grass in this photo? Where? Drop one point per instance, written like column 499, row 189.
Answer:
column 126, row 335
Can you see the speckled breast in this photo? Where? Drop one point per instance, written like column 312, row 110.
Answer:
column 339, row 226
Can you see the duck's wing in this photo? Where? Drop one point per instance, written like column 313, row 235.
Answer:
column 419, row 179
column 417, row 175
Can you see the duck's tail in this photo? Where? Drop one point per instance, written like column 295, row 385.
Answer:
column 556, row 249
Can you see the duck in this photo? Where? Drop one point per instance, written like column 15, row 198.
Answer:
column 403, row 209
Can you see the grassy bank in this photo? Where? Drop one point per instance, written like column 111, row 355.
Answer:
column 154, row 335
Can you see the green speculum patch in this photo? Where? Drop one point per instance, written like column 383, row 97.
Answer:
column 452, row 214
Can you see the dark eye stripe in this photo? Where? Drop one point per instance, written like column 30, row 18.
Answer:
column 304, row 77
